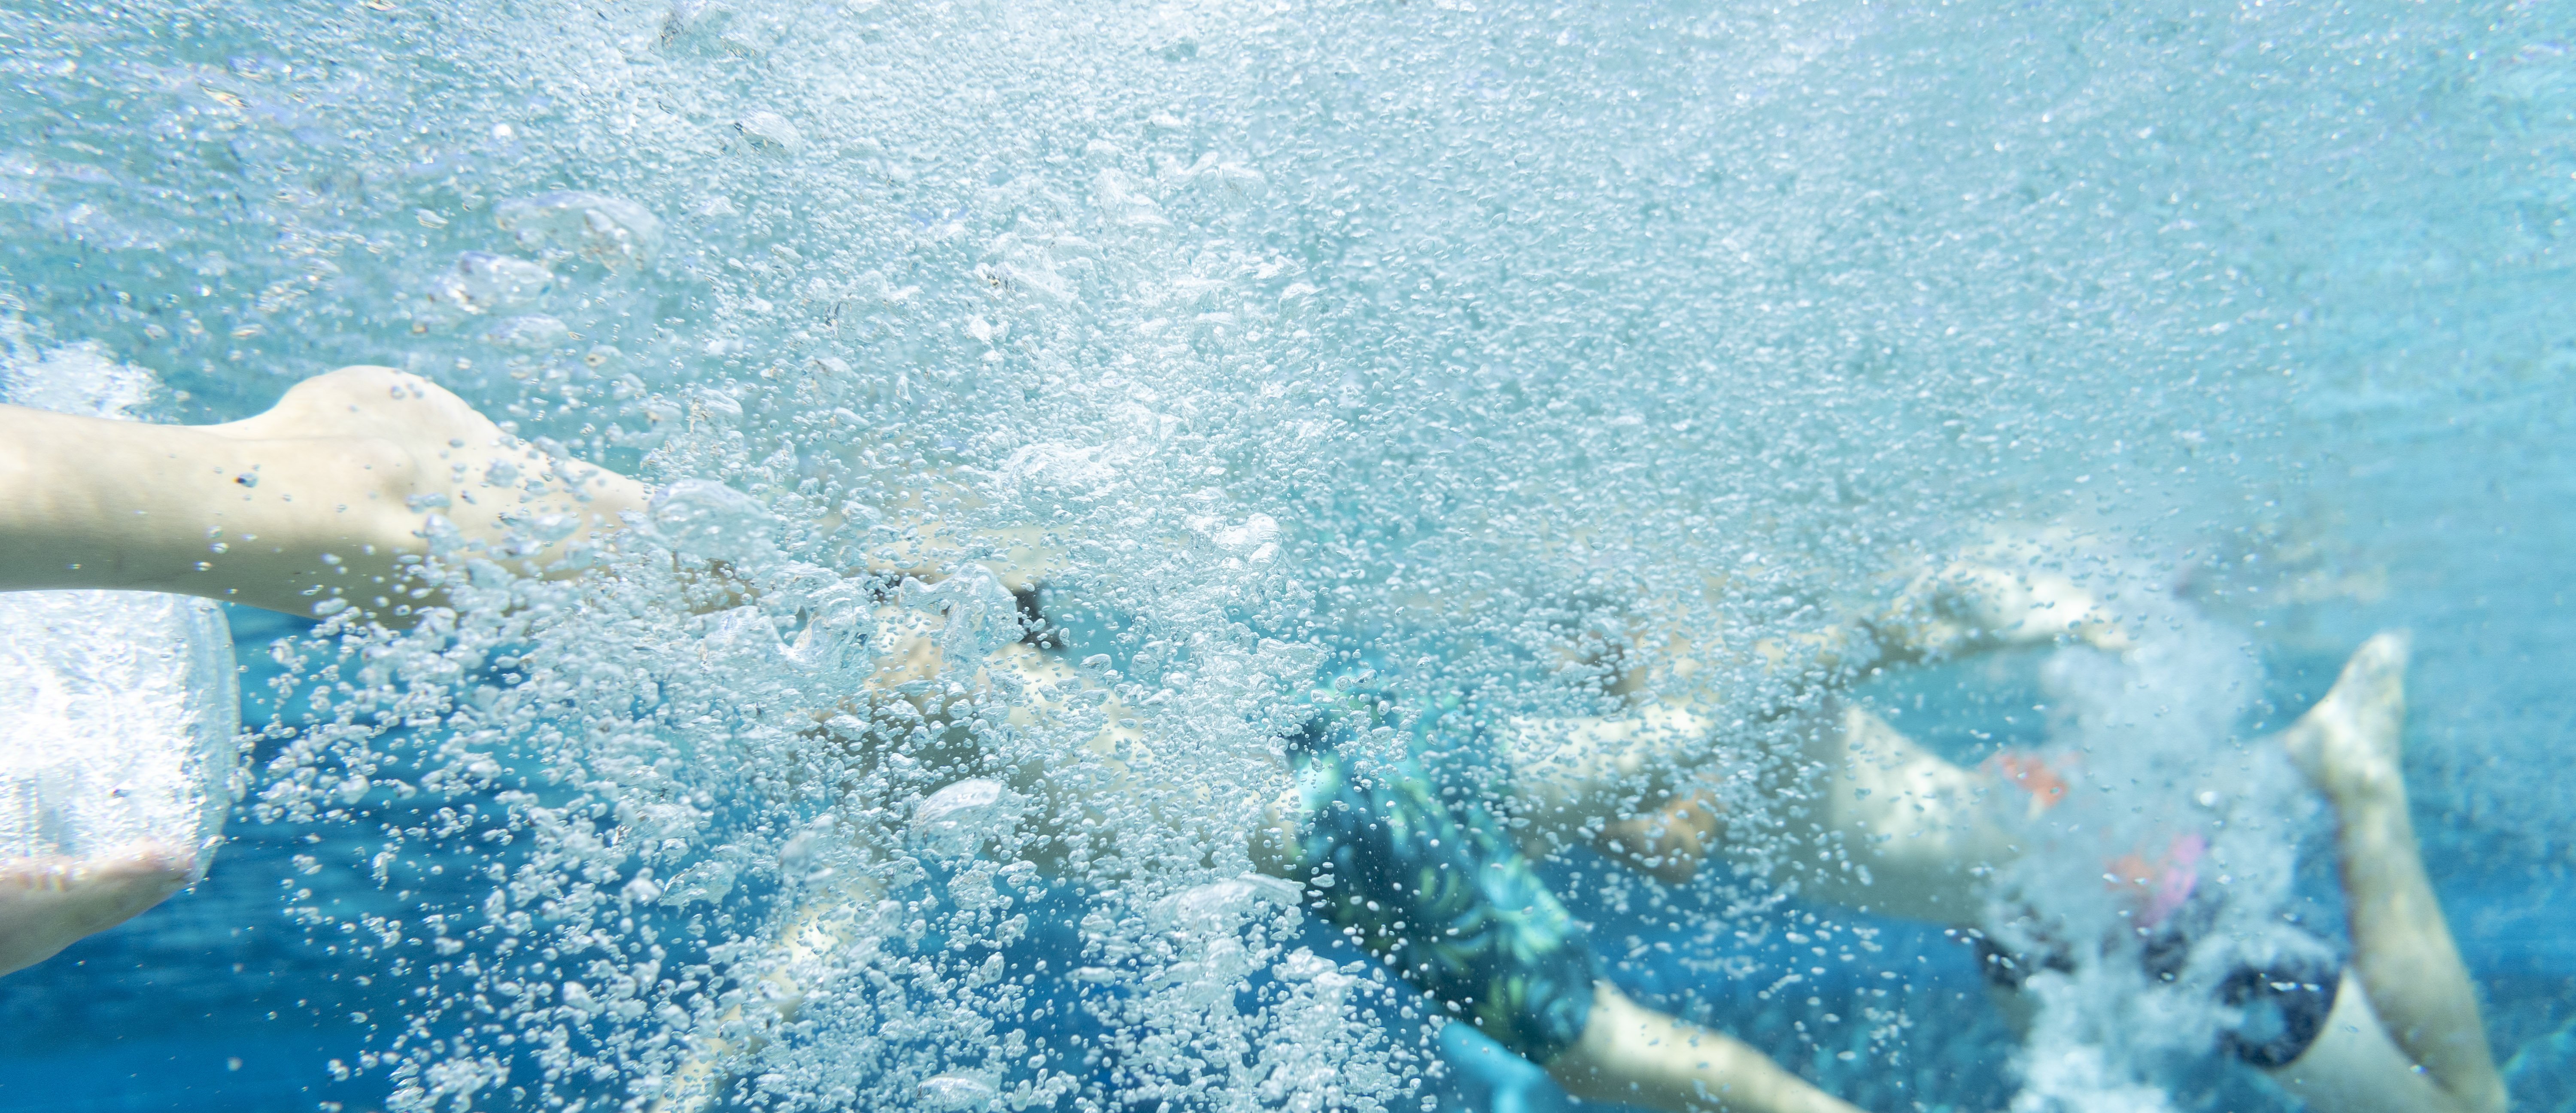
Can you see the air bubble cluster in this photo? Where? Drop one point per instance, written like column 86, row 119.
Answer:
column 1057, row 411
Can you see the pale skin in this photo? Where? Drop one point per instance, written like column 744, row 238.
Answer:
column 1572, row 775
column 2410, row 993
column 341, row 475
column 48, row 903
column 2404, row 1032
column 1627, row 1052
column 324, row 493
column 1921, row 826
column 335, row 493
column 345, row 464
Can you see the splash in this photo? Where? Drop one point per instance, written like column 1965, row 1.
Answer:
column 2162, row 859
column 1201, row 354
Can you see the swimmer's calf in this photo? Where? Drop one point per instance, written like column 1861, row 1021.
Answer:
column 320, row 497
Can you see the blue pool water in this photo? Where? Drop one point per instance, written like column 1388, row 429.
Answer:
column 1446, row 336
column 217, row 1001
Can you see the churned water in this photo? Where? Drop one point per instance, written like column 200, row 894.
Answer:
column 1453, row 343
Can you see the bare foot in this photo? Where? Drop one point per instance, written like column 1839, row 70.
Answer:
column 314, row 507
column 441, row 454
column 2348, row 743
column 345, row 473
column 48, row 903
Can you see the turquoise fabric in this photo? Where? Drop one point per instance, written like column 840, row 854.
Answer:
column 1440, row 892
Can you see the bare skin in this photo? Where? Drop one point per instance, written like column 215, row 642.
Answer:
column 2410, row 993
column 46, row 904
column 2404, row 1032
column 1892, row 828
column 315, row 505
column 322, row 496
column 1633, row 1054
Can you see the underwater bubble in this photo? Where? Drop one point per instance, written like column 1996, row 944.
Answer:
column 546, row 529
column 480, row 283
column 714, row 27
column 1218, row 903
column 959, row 802
column 956, row 817
column 611, row 231
column 1123, row 201
column 741, row 638
column 1303, row 965
column 532, row 332
column 706, row 881
column 804, row 855
column 82, row 378
column 1225, row 176
column 1254, row 540
column 955, row 1091
column 770, row 132
column 119, row 707
column 839, row 624
column 703, row 518
column 696, row 17
column 980, row 616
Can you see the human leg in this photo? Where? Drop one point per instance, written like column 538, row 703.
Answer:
column 1633, row 1054
column 1895, row 828
column 2354, row 1067
column 2408, row 973
column 324, row 494
column 1447, row 900
column 1889, row 825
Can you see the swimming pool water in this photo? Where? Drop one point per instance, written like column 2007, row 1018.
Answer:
column 1488, row 318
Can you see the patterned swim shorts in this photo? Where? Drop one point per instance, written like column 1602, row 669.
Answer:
column 1440, row 892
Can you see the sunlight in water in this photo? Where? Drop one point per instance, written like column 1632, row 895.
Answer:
column 1838, row 502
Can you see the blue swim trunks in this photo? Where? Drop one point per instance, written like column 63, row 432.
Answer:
column 1440, row 892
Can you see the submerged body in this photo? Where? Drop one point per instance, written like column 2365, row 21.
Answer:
column 1498, row 949
column 356, row 479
